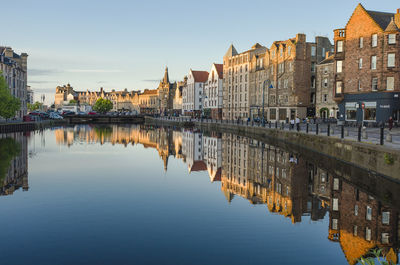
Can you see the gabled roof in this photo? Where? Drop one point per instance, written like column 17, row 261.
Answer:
column 381, row 18
column 392, row 26
column 231, row 51
column 220, row 70
column 200, row 76
column 330, row 59
column 198, row 166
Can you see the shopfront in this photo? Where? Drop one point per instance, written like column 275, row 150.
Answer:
column 369, row 108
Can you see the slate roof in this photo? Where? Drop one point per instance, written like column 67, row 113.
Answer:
column 381, row 18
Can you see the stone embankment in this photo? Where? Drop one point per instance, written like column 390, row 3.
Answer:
column 376, row 158
column 29, row 126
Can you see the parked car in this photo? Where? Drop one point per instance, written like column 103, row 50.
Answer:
column 92, row 113
column 27, row 118
column 55, row 116
column 67, row 113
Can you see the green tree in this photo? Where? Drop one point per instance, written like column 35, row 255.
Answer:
column 8, row 103
column 103, row 105
column 35, row 106
column 73, row 102
column 9, row 149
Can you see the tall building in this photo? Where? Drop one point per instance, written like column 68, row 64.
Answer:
column 213, row 93
column 29, row 95
column 236, row 82
column 192, row 95
column 367, row 73
column 326, row 107
column 14, row 69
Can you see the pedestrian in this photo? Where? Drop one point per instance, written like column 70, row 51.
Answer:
column 291, row 124
column 390, row 123
column 297, row 123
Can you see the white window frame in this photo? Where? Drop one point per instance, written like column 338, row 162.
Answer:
column 390, row 83
column 339, row 66
column 360, row 63
column 392, row 38
column 386, row 218
column 373, row 62
column 374, row 40
column 361, row 43
column 368, row 213
column 391, row 62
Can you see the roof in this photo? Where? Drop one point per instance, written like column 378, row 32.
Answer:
column 198, row 166
column 381, row 18
column 392, row 26
column 150, row 92
column 220, row 70
column 231, row 51
column 330, row 59
column 200, row 76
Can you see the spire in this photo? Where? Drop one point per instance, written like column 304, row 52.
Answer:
column 166, row 78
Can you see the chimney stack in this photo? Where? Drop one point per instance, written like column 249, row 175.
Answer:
column 397, row 18
column 300, row 38
column 9, row 52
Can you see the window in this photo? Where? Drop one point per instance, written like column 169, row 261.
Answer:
column 339, row 66
column 391, row 59
column 351, row 111
column 335, row 184
column 314, row 50
column 339, row 85
column 335, row 204
column 356, row 210
column 359, row 85
column 390, row 83
column 368, row 234
column 392, row 39
column 289, row 50
column 374, row 40
column 334, row 224
column 370, row 111
column 385, row 218
column 368, row 215
column 280, row 52
column 360, row 62
column 361, row 42
column 385, row 238
column 373, row 62
column 374, row 84
column 325, row 97
column 339, row 46
column 355, row 232
column 325, row 82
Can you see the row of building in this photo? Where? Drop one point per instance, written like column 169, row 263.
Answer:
column 355, row 79
column 13, row 67
column 265, row 174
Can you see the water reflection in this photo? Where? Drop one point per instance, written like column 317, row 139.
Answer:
column 13, row 163
column 288, row 182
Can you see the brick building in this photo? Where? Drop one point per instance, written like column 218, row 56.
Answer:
column 367, row 76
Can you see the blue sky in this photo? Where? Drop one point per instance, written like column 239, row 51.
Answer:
column 127, row 44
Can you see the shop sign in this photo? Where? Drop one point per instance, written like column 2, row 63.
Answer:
column 384, row 106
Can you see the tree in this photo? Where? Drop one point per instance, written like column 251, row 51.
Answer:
column 73, row 102
column 8, row 103
column 103, row 105
column 35, row 106
column 9, row 149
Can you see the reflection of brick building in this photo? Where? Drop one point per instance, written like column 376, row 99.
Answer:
column 17, row 174
column 359, row 222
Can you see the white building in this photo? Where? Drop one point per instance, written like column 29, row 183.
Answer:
column 212, row 156
column 192, row 94
column 14, row 69
column 213, row 90
column 192, row 149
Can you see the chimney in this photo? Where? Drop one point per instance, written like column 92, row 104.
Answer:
column 327, row 54
column 397, row 18
column 24, row 61
column 301, row 38
column 9, row 52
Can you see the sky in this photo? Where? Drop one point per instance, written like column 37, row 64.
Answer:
column 127, row 44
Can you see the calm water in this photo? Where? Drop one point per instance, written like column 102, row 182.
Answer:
column 143, row 195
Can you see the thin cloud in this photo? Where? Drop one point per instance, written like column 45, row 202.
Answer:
column 41, row 82
column 42, row 72
column 151, row 80
column 93, row 71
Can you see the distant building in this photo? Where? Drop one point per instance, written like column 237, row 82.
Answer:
column 29, row 95
column 367, row 71
column 212, row 93
column 192, row 95
column 14, row 69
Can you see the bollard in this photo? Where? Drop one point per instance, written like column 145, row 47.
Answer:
column 316, row 129
column 276, row 125
column 270, row 125
column 282, row 126
column 364, row 133
column 389, row 137
column 332, row 130
column 342, row 131
column 359, row 133
column 307, row 128
column 381, row 136
column 328, row 131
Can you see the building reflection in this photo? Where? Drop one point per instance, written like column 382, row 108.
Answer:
column 267, row 174
column 14, row 163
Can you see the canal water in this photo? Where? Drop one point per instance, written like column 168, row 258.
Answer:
column 144, row 195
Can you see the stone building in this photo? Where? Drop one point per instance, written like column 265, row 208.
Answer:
column 14, row 69
column 213, row 93
column 29, row 95
column 290, row 71
column 192, row 94
column 236, row 82
column 326, row 106
column 367, row 52
column 177, row 99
